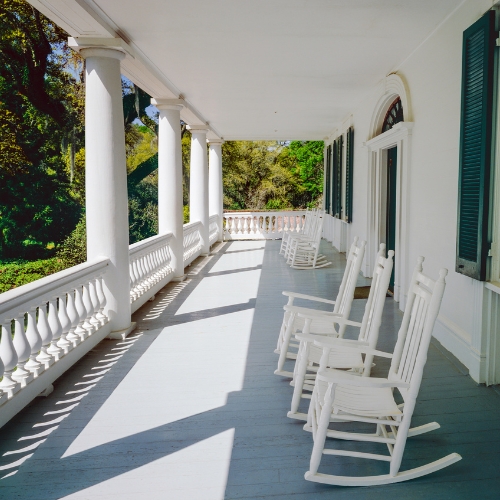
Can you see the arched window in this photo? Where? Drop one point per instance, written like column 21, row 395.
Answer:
column 394, row 115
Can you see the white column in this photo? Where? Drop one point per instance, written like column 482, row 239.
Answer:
column 106, row 180
column 170, row 210
column 215, row 188
column 198, row 184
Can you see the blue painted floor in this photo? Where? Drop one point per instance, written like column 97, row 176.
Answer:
column 188, row 407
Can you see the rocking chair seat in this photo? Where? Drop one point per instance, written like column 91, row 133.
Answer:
column 371, row 402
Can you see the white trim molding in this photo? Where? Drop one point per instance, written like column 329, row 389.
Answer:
column 394, row 86
column 399, row 136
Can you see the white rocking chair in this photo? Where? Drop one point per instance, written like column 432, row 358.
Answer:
column 342, row 397
column 307, row 229
column 332, row 353
column 341, row 308
column 304, row 254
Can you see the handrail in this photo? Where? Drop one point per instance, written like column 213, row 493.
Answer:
column 149, row 242
column 31, row 293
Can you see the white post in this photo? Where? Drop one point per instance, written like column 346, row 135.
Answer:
column 170, row 210
column 198, row 184
column 106, row 180
column 215, row 182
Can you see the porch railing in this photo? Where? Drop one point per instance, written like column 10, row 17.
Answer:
column 261, row 225
column 149, row 268
column 46, row 327
column 192, row 242
column 213, row 229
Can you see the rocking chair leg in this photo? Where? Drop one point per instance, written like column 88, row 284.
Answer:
column 284, row 345
column 320, row 435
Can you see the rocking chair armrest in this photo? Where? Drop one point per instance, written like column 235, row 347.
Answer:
column 343, row 378
column 362, row 349
column 312, row 337
column 332, row 342
column 308, row 297
column 334, row 317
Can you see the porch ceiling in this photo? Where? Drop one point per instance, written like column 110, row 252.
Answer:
column 265, row 69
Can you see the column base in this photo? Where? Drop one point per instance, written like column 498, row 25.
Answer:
column 122, row 334
column 179, row 278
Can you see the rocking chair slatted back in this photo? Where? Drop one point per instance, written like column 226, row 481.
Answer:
column 376, row 300
column 410, row 354
column 345, row 296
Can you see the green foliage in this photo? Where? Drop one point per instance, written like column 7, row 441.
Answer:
column 258, row 175
column 185, row 214
column 309, row 156
column 41, row 110
column 18, row 272
column 73, row 250
column 143, row 209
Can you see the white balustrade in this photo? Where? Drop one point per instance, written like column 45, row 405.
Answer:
column 46, row 327
column 261, row 225
column 213, row 229
column 150, row 268
column 192, row 242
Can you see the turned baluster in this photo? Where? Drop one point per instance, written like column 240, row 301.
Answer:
column 56, row 329
column 134, row 287
column 82, row 314
column 3, row 395
column 94, row 320
column 102, row 300
column 74, row 319
column 35, row 342
column 23, row 350
column 89, row 309
column 64, row 343
column 9, row 359
column 46, row 335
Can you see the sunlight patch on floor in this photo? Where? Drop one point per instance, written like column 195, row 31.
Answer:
column 222, row 291
column 198, row 472
column 239, row 260
column 189, row 369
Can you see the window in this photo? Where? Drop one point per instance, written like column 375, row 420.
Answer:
column 394, row 115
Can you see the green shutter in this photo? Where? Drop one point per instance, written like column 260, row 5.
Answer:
column 334, row 177
column 338, row 178
column 327, row 179
column 475, row 147
column 349, row 181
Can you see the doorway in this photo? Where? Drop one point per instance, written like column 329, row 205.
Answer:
column 390, row 223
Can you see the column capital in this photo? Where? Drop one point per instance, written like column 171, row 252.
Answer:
column 198, row 129
column 114, row 48
column 216, row 142
column 160, row 103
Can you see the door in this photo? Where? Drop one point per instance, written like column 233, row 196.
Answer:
column 390, row 225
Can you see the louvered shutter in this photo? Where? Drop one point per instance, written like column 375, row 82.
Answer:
column 327, row 179
column 338, row 178
column 334, row 178
column 349, row 181
column 475, row 147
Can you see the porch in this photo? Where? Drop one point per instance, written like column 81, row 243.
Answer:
column 187, row 406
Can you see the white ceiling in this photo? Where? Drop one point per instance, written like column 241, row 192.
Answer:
column 265, row 69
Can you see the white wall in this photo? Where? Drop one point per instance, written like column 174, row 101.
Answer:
column 433, row 77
